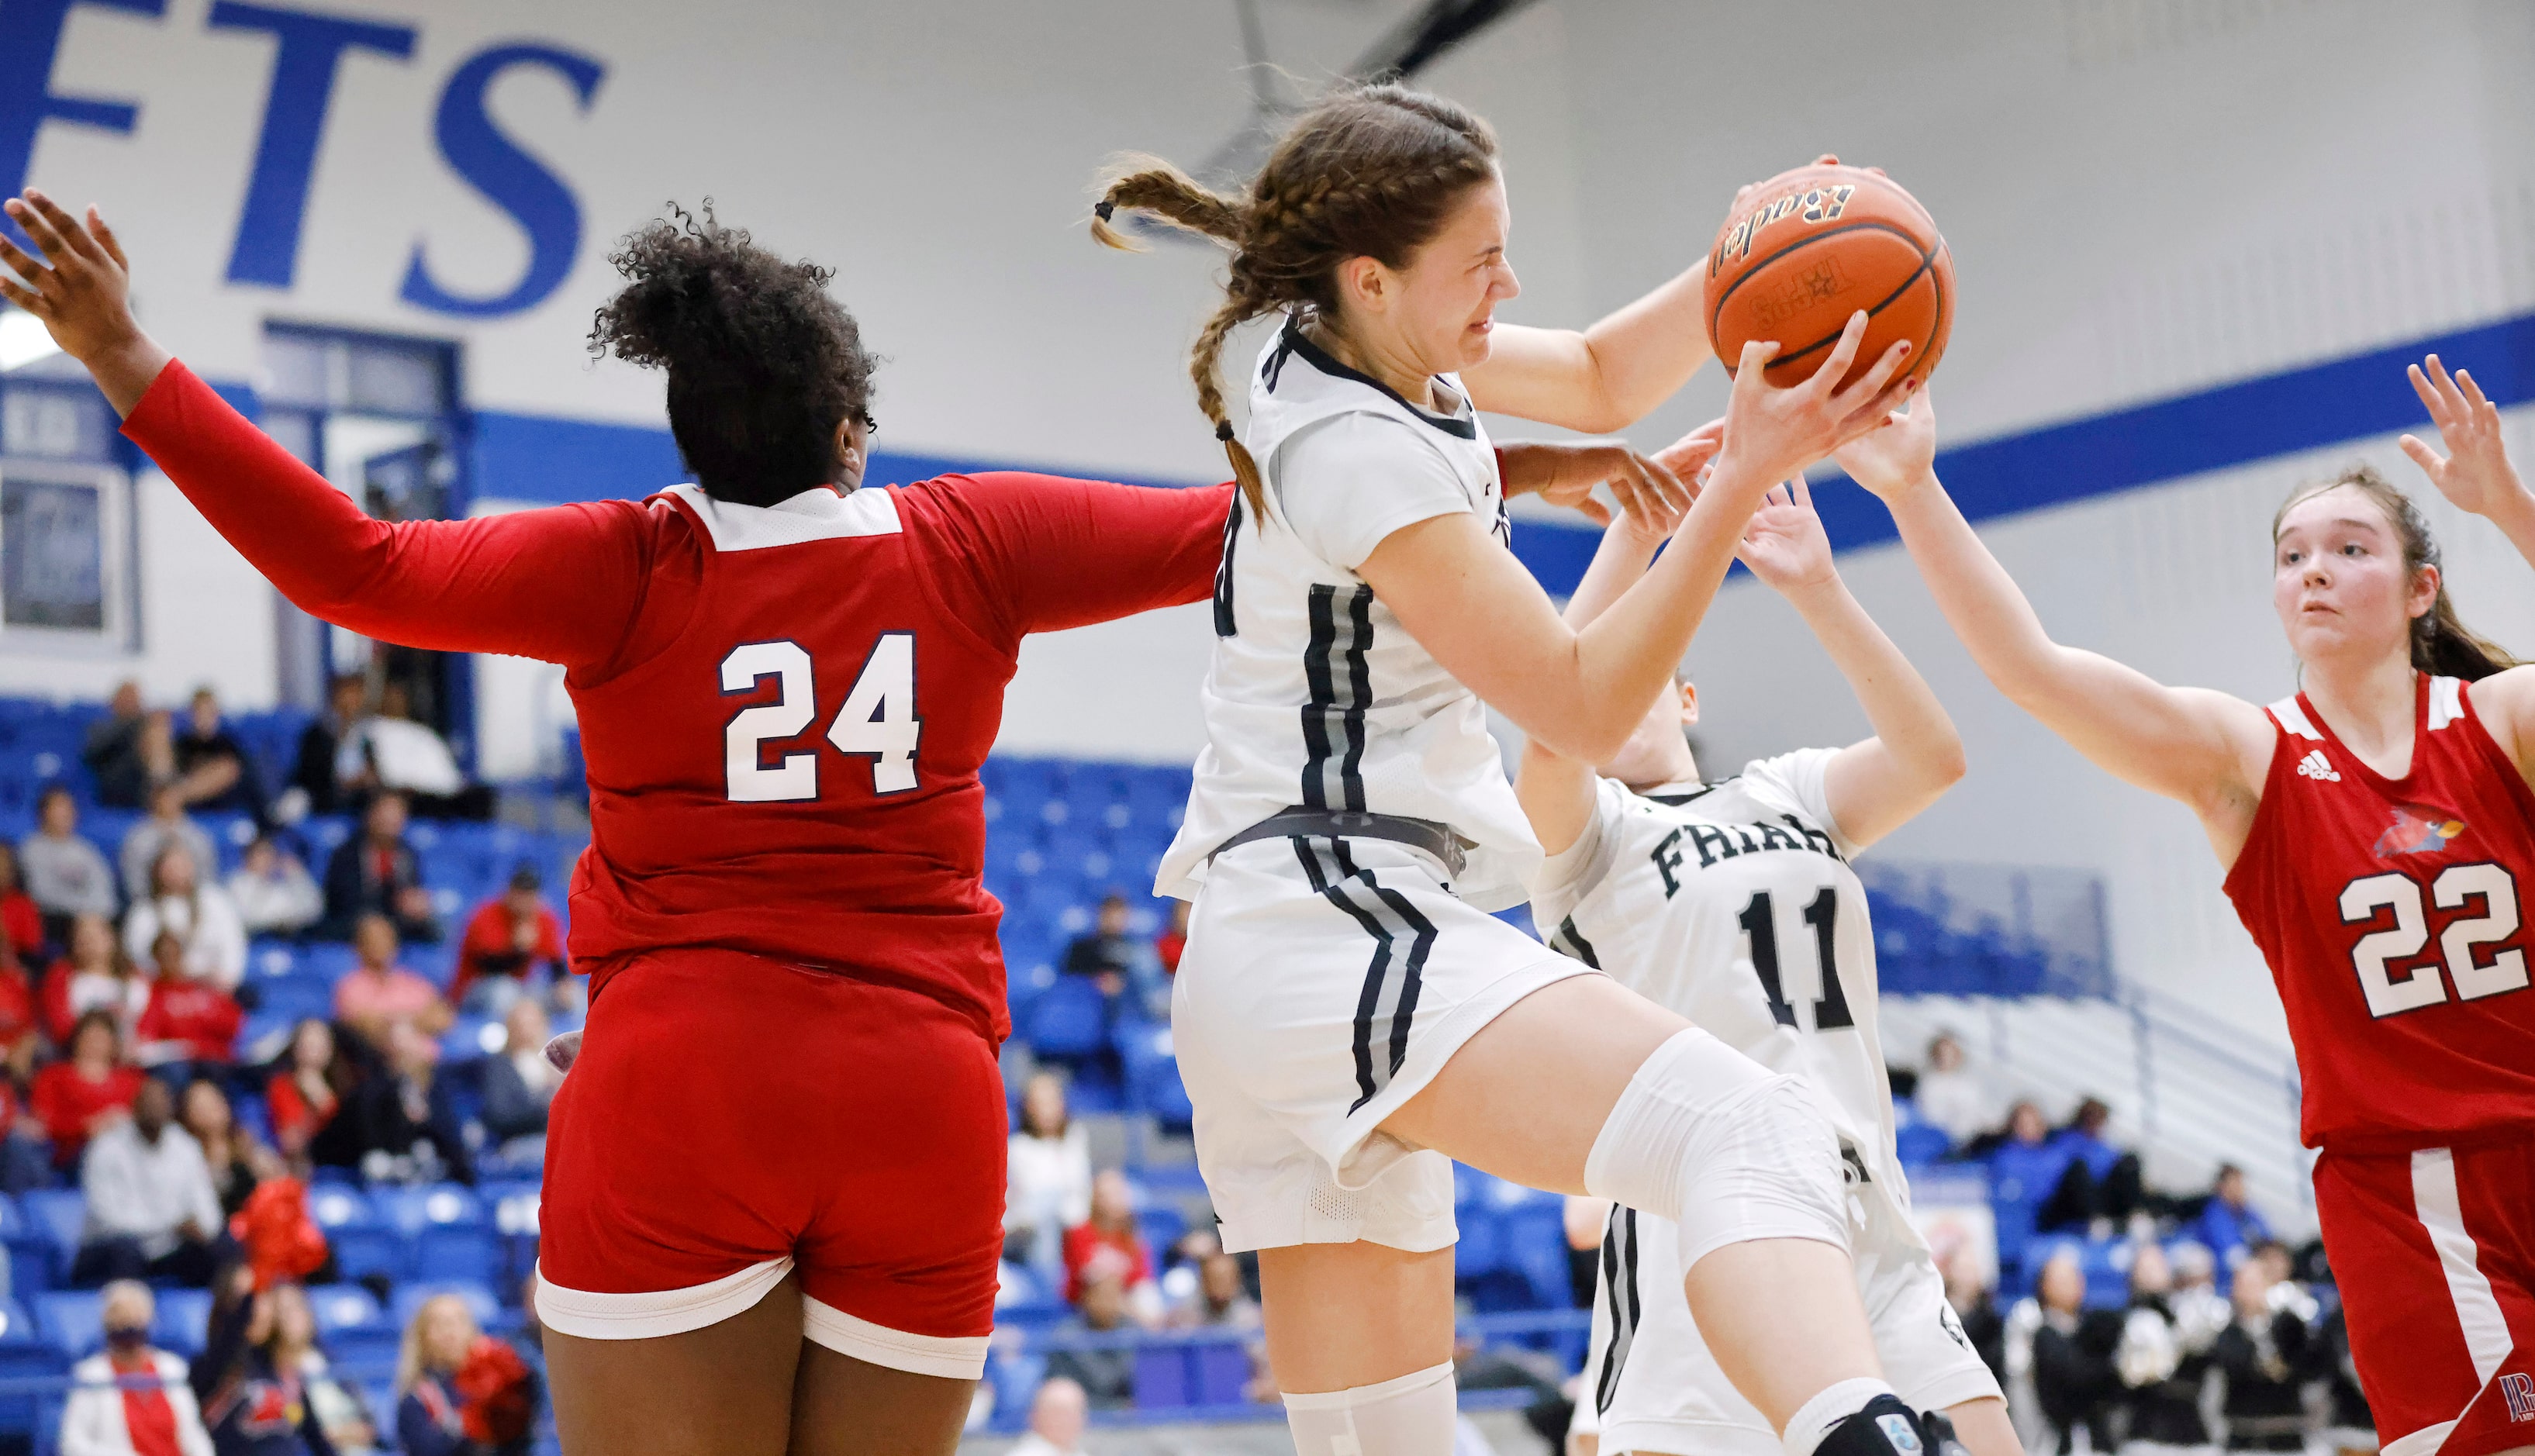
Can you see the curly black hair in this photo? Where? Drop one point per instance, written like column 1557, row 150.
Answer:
column 763, row 365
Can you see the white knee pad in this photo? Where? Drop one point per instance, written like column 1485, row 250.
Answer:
column 1413, row 1416
column 1725, row 1148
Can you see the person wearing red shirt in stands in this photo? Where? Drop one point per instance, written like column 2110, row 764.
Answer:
column 96, row 976
column 186, row 1021
column 21, row 1036
column 83, row 1095
column 508, row 938
column 1108, row 1244
column 785, row 681
column 302, row 1096
column 1173, row 939
column 21, row 923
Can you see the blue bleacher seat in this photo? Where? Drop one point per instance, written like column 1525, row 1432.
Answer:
column 184, row 1320
column 367, row 1347
column 17, row 1326
column 449, row 1255
column 1162, row 1226
column 1069, row 1019
column 371, row 1251
column 1922, row 1143
column 343, row 1306
column 55, row 1216
column 339, row 1207
column 439, row 1205
column 294, row 999
column 72, row 1319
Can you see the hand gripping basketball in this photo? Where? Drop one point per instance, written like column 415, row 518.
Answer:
column 1802, row 251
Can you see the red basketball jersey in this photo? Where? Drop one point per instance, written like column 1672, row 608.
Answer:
column 794, row 774
column 2390, row 913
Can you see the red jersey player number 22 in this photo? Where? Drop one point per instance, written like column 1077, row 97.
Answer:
column 877, row 719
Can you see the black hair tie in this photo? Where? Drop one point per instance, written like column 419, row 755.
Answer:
column 1104, row 210
column 1223, row 431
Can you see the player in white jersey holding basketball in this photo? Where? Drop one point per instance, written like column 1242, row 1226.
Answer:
column 1734, row 903
column 1348, row 1014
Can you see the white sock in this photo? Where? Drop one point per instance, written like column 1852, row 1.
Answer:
column 1836, row 1403
column 1413, row 1416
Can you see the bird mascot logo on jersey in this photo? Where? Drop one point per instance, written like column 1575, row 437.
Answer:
column 2419, row 828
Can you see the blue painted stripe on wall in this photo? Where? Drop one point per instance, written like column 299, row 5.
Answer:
column 2256, row 420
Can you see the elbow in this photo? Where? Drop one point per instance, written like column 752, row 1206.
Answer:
column 1945, row 765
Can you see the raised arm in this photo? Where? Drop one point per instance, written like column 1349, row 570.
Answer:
column 2204, row 748
column 562, row 584
column 1472, row 605
column 1879, row 783
column 1601, row 379
column 2474, row 474
column 1557, row 791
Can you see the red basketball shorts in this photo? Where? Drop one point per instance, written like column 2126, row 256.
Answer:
column 2435, row 1253
column 732, row 1119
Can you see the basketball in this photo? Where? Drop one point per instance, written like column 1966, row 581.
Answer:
column 1802, row 251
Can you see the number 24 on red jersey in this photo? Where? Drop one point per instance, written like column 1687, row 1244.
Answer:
column 877, row 719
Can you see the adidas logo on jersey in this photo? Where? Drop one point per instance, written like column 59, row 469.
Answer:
column 2315, row 765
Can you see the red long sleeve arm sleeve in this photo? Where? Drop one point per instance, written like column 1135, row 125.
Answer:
column 562, row 583
column 1056, row 553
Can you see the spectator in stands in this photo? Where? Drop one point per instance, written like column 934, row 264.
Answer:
column 151, row 1210
column 237, row 1162
column 1056, row 1419
column 2228, row 1221
column 113, row 751
column 1108, row 1244
column 21, row 1028
column 273, row 892
column 377, row 990
column 166, row 825
column 1173, row 941
column 407, row 757
column 2024, row 1169
column 213, row 769
column 187, row 1023
column 96, row 976
column 1047, row 1175
column 2265, row 1353
column 460, row 1393
column 347, row 701
column 22, row 920
column 376, row 872
column 210, row 935
column 406, row 1117
column 1223, row 1300
column 1952, row 1095
column 341, row 1411
column 511, row 937
column 519, row 1085
column 25, row 1158
column 1108, row 955
column 301, row 1097
column 2101, row 1186
column 252, row 1379
column 2163, row 1358
column 132, row 1400
column 1107, row 1376
column 87, row 1092
column 2073, row 1380
column 64, row 874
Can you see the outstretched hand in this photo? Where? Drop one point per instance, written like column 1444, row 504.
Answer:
column 1775, row 433
column 1895, row 455
column 82, row 290
column 1785, row 545
column 2474, row 473
column 1651, row 495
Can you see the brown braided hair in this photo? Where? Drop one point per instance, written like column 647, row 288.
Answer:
column 1373, row 171
column 2442, row 644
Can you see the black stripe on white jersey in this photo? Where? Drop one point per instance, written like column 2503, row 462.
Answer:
column 1620, row 1292
column 1340, row 683
column 1569, row 941
column 1224, row 625
column 1387, row 917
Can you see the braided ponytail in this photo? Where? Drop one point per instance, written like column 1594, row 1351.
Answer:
column 1371, row 172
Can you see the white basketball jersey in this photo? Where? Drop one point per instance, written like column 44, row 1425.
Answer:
column 1734, row 904
column 1317, row 697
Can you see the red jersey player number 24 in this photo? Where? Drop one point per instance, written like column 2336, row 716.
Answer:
column 876, row 720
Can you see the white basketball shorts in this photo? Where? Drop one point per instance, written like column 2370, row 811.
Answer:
column 1326, row 981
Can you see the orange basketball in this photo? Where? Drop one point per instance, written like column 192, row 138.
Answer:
column 1806, row 249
